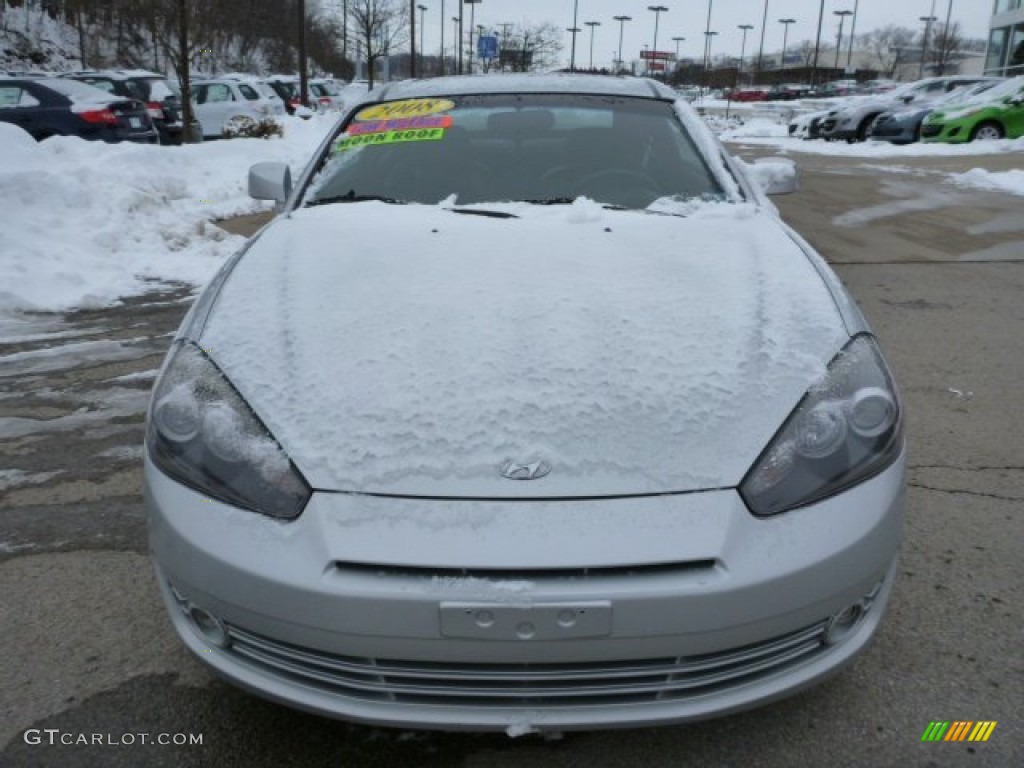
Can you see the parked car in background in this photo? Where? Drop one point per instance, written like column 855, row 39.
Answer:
column 161, row 95
column 807, row 125
column 994, row 114
column 50, row 106
column 325, row 93
column 353, row 93
column 573, row 432
column 287, row 88
column 233, row 102
column 852, row 120
column 787, row 92
column 903, row 126
column 751, row 93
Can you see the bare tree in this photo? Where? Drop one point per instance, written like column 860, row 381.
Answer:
column 947, row 41
column 529, row 47
column 381, row 26
column 889, row 45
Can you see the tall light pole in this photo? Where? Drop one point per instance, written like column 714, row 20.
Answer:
column 574, row 29
column 760, row 52
column 945, row 36
column 924, row 48
column 622, row 23
column 677, row 41
column 817, row 43
column 412, row 39
column 658, row 10
column 459, row 37
column 440, row 70
column 839, row 38
column 592, row 24
column 472, row 24
column 423, row 24
column 853, row 29
column 785, row 37
column 707, row 37
column 456, row 53
column 743, row 49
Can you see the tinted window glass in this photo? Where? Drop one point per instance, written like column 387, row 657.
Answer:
column 541, row 148
column 248, row 91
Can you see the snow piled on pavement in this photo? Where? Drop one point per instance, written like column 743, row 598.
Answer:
column 87, row 223
column 1005, row 181
column 763, row 133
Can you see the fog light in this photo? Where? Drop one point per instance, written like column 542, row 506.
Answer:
column 209, row 626
column 842, row 623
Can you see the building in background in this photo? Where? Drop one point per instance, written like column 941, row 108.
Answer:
column 1005, row 54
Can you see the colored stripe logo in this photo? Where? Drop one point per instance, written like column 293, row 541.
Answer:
column 958, row 730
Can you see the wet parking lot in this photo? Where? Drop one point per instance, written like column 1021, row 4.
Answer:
column 939, row 272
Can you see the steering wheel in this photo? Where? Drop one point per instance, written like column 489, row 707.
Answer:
column 622, row 186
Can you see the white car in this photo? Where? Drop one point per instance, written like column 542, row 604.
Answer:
column 230, row 102
column 326, row 94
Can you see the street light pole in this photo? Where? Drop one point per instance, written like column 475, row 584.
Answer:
column 658, row 10
column 839, row 40
column 945, row 36
column 817, row 43
column 440, row 65
column 574, row 29
column 707, row 36
column 459, row 37
column 677, row 40
column 472, row 23
column 853, row 29
column 423, row 24
column 622, row 23
column 455, row 53
column 743, row 49
column 592, row 24
column 785, row 37
column 760, row 53
column 924, row 48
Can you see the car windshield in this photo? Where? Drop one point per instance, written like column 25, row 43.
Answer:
column 1005, row 88
column 539, row 148
column 966, row 94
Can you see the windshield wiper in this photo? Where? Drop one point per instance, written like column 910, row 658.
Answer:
column 352, row 197
column 484, row 212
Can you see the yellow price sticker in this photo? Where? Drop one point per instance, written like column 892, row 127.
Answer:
column 406, row 108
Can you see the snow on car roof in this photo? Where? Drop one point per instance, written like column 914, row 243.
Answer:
column 520, row 83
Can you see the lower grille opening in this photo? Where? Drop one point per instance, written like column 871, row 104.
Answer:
column 400, row 571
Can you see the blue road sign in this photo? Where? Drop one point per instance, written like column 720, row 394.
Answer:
column 487, row 47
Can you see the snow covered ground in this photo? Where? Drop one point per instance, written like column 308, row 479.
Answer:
column 87, row 224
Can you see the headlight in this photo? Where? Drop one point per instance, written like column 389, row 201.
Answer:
column 202, row 433
column 847, row 428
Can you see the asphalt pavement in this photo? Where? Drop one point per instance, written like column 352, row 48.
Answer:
column 90, row 658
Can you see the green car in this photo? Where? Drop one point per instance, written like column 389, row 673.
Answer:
column 996, row 115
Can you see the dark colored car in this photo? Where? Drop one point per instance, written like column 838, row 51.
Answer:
column 904, row 126
column 288, row 89
column 50, row 106
column 161, row 96
column 788, row 92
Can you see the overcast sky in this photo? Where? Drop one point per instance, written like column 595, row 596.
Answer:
column 688, row 18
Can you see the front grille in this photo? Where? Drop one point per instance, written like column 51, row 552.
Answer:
column 518, row 685
column 930, row 130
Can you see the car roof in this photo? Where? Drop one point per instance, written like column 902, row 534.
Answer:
column 115, row 74
column 598, row 85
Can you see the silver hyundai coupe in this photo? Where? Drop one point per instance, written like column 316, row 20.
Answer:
column 526, row 413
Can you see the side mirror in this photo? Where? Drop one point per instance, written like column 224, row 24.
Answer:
column 775, row 175
column 270, row 181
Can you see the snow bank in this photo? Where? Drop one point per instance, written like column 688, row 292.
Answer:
column 876, row 149
column 88, row 223
column 978, row 178
column 757, row 128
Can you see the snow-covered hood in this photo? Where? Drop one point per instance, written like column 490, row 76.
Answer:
column 413, row 350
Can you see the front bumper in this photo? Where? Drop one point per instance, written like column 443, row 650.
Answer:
column 895, row 131
column 950, row 133
column 698, row 609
